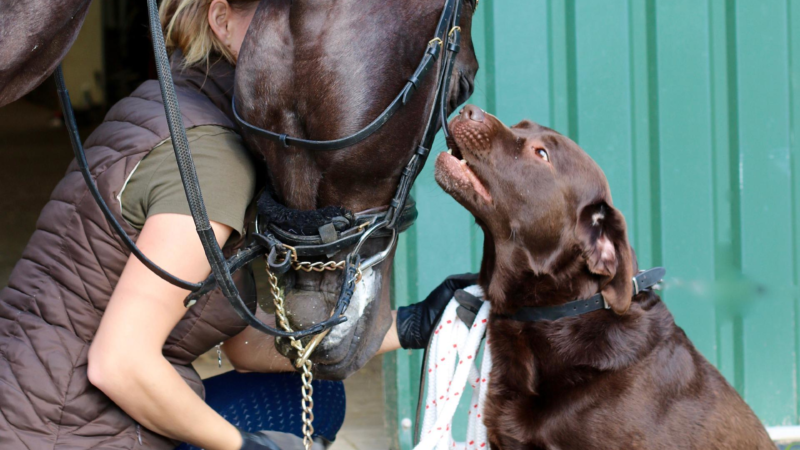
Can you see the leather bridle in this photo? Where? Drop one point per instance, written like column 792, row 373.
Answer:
column 284, row 246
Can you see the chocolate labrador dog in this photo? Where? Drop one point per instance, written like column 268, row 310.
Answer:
column 619, row 376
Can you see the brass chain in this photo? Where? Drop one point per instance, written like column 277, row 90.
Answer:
column 308, row 405
column 306, row 266
column 303, row 361
column 307, row 377
column 317, row 266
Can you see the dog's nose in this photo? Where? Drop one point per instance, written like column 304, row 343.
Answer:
column 473, row 113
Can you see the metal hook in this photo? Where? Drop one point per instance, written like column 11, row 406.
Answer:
column 279, row 267
column 378, row 258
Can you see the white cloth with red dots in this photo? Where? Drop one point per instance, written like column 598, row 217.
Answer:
column 450, row 366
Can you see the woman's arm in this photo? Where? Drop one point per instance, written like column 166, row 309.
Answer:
column 126, row 360
column 254, row 351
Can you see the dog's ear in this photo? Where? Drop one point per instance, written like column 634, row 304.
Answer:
column 603, row 235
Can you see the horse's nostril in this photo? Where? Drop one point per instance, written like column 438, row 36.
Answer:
column 474, row 113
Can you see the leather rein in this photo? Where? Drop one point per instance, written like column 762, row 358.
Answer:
column 283, row 246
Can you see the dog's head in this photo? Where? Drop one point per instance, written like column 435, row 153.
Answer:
column 545, row 208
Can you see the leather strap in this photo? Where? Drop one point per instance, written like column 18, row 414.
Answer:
column 641, row 282
column 453, row 48
column 573, row 308
column 647, row 279
column 316, row 245
column 83, row 165
column 449, row 21
column 338, row 144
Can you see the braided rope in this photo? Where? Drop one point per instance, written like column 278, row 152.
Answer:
column 451, row 365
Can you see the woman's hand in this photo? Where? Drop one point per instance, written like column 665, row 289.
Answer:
column 415, row 322
column 125, row 359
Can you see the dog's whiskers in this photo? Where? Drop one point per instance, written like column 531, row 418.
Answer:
column 513, row 236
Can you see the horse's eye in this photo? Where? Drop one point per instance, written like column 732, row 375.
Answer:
column 543, row 154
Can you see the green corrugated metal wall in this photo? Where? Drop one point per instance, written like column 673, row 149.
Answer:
column 692, row 108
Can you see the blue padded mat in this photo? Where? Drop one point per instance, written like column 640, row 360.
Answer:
column 271, row 401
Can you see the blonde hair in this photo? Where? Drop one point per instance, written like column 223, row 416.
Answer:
column 186, row 27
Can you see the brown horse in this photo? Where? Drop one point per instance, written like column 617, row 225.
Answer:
column 34, row 37
column 321, row 70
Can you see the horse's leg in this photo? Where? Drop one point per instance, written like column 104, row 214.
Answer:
column 34, row 37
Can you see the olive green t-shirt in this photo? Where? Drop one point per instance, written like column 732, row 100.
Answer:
column 224, row 167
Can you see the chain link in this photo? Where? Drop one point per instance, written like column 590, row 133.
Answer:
column 317, row 266
column 308, row 405
column 306, row 266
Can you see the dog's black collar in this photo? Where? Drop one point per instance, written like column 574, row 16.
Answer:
column 643, row 281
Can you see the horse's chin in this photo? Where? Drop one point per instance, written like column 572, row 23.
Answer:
column 360, row 351
column 350, row 345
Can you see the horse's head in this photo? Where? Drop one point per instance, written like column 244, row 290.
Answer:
column 322, row 70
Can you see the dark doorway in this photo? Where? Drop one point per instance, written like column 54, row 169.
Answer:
column 127, row 51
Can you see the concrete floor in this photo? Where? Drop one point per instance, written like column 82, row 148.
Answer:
column 33, row 158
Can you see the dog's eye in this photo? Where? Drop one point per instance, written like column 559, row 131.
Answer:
column 543, row 154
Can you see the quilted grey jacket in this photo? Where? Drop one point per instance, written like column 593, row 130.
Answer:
column 57, row 293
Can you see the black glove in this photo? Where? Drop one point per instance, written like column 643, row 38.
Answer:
column 415, row 322
column 252, row 441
